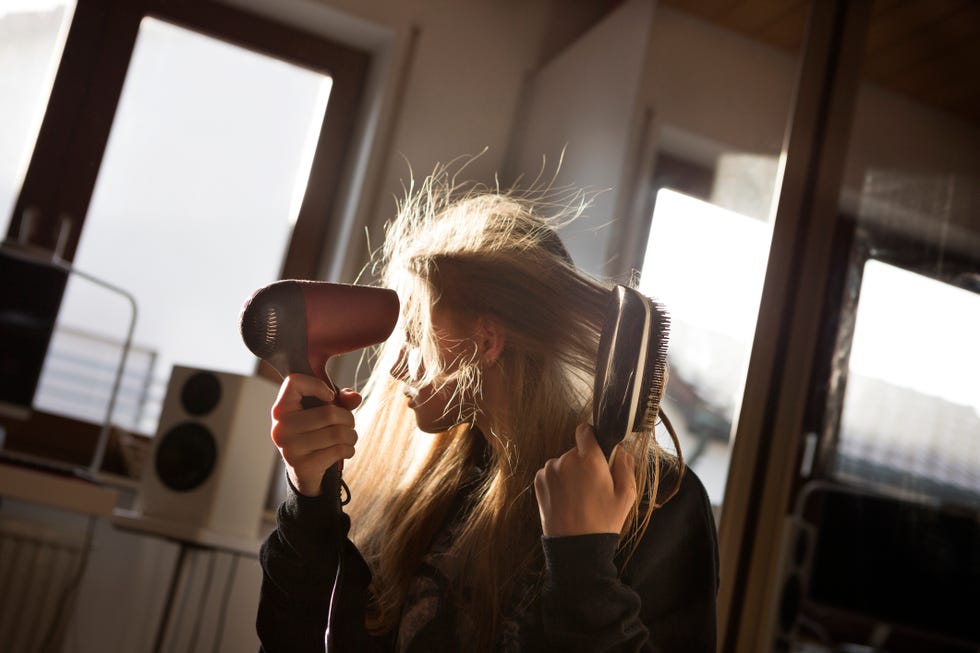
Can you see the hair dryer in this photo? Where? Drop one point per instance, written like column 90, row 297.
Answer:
column 296, row 326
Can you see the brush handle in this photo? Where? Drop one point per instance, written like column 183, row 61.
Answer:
column 614, row 393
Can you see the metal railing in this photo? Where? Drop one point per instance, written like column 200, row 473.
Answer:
column 79, row 374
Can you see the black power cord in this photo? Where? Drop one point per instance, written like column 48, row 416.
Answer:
column 343, row 496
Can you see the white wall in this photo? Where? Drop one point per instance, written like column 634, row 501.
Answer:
column 717, row 86
column 580, row 108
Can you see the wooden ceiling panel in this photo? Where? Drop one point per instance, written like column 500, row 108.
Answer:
column 753, row 16
column 893, row 28
column 927, row 49
column 787, row 31
column 709, row 9
column 937, row 78
column 965, row 100
column 926, row 45
column 882, row 6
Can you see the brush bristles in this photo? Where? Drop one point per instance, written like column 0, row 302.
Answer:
column 656, row 379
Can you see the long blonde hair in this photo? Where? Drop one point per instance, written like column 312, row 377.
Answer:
column 475, row 251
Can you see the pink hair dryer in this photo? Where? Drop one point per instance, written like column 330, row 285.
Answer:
column 296, row 326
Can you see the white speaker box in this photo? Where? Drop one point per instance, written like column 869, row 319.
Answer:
column 211, row 462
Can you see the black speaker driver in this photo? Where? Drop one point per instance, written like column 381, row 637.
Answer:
column 186, row 456
column 201, row 393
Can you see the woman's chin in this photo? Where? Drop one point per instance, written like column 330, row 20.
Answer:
column 433, row 426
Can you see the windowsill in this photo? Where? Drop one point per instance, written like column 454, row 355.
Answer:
column 56, row 491
column 71, row 441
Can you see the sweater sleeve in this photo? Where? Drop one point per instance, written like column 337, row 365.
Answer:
column 299, row 565
column 663, row 601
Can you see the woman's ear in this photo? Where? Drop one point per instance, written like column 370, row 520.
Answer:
column 491, row 338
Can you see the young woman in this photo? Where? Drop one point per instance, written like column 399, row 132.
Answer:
column 483, row 515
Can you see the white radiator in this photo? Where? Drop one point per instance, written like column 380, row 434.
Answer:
column 38, row 569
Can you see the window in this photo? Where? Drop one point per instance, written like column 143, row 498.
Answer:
column 706, row 259
column 32, row 36
column 707, row 265
column 189, row 153
column 201, row 179
column 911, row 406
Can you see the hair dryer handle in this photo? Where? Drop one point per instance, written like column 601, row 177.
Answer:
column 328, row 485
column 311, row 402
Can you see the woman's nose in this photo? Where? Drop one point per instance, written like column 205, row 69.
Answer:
column 400, row 369
column 408, row 367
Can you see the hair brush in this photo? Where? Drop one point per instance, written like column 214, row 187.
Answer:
column 631, row 367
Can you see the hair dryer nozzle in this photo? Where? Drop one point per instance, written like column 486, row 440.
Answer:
column 296, row 326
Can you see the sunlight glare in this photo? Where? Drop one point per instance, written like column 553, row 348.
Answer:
column 707, row 264
column 918, row 333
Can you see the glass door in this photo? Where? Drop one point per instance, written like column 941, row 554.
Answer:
column 890, row 488
column 855, row 515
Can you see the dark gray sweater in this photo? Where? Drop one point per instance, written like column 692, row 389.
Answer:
column 663, row 601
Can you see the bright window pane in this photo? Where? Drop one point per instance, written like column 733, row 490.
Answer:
column 195, row 201
column 911, row 414
column 32, row 37
column 707, row 265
